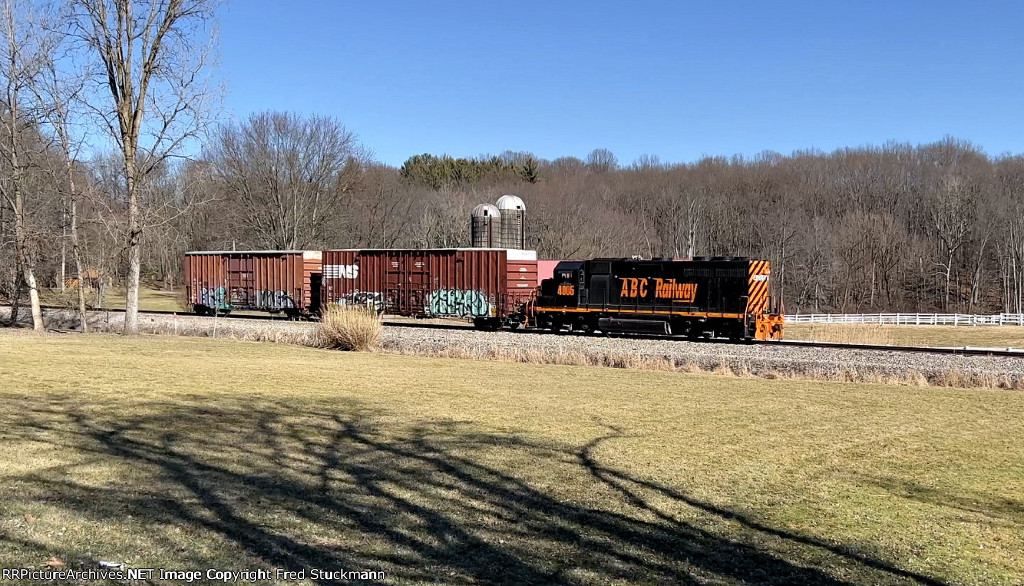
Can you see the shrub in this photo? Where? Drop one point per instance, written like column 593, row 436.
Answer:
column 349, row 328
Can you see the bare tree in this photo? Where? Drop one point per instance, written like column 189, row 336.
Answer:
column 952, row 213
column 444, row 221
column 289, row 175
column 602, row 161
column 1010, row 247
column 59, row 87
column 24, row 50
column 381, row 211
column 151, row 56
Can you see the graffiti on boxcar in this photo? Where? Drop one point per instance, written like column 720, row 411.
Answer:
column 267, row 299
column 457, row 302
column 363, row 299
column 213, row 297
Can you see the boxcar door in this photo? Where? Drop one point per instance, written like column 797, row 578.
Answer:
column 240, row 281
column 417, row 281
column 395, row 299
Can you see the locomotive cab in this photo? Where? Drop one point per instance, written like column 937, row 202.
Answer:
column 563, row 290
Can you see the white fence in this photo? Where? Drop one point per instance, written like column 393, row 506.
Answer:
column 911, row 319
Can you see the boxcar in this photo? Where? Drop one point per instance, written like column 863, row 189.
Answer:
column 718, row 297
column 276, row 281
column 490, row 285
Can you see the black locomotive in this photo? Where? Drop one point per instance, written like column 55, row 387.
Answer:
column 716, row 297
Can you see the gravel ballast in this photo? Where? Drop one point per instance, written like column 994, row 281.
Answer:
column 742, row 359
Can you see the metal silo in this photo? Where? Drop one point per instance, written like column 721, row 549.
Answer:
column 485, row 226
column 513, row 221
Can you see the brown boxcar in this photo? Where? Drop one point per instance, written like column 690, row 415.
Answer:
column 490, row 285
column 267, row 280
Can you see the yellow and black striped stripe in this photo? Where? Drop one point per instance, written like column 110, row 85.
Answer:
column 757, row 300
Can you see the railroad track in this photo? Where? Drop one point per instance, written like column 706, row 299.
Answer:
column 949, row 350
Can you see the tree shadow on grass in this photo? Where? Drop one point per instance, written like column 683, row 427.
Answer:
column 336, row 487
column 989, row 505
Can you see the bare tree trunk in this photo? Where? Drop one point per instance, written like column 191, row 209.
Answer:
column 949, row 269
column 63, row 246
column 131, row 301
column 76, row 248
column 33, row 297
column 20, row 235
column 16, row 302
column 871, row 298
column 976, row 277
column 17, row 66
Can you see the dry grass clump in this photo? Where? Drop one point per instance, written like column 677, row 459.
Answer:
column 349, row 328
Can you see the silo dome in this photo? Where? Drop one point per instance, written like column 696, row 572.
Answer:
column 485, row 226
column 513, row 221
column 485, row 210
column 511, row 202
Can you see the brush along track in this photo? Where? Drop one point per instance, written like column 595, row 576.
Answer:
column 950, row 350
column 767, row 360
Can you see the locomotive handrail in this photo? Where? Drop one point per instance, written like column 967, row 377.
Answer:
column 920, row 319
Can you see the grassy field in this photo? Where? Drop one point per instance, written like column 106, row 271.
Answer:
column 198, row 453
column 113, row 298
column 986, row 336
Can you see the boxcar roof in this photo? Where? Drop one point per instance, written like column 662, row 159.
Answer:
column 248, row 251
column 513, row 253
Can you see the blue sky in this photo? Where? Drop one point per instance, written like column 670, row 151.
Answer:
column 675, row 79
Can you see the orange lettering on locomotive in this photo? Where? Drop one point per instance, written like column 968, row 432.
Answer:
column 566, row 289
column 670, row 289
column 633, row 287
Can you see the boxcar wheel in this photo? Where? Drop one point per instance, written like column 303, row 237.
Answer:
column 487, row 324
